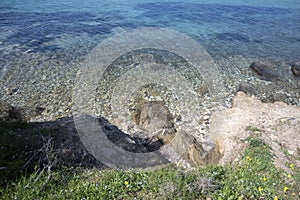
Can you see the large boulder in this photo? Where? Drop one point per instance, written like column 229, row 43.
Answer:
column 193, row 151
column 155, row 118
column 157, row 122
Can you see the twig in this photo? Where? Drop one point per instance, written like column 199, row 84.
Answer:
column 48, row 178
column 46, row 150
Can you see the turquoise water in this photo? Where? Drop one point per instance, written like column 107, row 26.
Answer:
column 41, row 41
column 263, row 29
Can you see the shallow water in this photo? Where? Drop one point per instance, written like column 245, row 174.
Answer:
column 43, row 42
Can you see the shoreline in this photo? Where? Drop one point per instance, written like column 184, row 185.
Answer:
column 51, row 86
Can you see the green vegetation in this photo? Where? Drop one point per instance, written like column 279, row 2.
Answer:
column 253, row 129
column 254, row 176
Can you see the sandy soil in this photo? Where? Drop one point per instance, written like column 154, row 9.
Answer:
column 278, row 124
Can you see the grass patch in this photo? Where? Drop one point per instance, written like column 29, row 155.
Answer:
column 253, row 129
column 253, row 177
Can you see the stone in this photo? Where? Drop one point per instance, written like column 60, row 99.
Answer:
column 31, row 111
column 295, row 68
column 9, row 113
column 264, row 71
column 143, row 58
column 157, row 122
column 155, row 118
column 193, row 151
column 14, row 114
column 247, row 88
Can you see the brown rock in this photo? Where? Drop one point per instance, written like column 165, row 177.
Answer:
column 192, row 150
column 156, row 120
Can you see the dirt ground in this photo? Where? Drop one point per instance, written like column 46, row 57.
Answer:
column 278, row 124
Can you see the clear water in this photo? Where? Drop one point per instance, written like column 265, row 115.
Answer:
column 63, row 31
column 249, row 28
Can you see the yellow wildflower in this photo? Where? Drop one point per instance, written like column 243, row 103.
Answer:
column 260, row 189
column 264, row 178
column 292, row 166
column 126, row 182
column 289, row 176
column 285, row 189
column 275, row 198
column 248, row 158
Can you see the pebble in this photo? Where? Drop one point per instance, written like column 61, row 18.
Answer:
column 56, row 95
column 205, row 117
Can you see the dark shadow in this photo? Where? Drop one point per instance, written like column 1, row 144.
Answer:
column 136, row 144
column 25, row 146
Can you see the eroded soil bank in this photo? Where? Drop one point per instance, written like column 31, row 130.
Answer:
column 278, row 124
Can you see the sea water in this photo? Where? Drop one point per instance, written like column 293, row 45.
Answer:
column 50, row 35
column 249, row 28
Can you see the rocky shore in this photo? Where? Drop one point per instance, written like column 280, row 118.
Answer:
column 45, row 96
column 277, row 124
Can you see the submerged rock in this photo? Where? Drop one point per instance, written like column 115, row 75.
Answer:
column 265, row 71
column 9, row 113
column 295, row 68
column 15, row 114
column 247, row 88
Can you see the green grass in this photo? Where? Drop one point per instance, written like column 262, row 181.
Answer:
column 253, row 129
column 253, row 177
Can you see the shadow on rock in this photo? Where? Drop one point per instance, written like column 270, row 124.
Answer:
column 54, row 144
column 27, row 145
